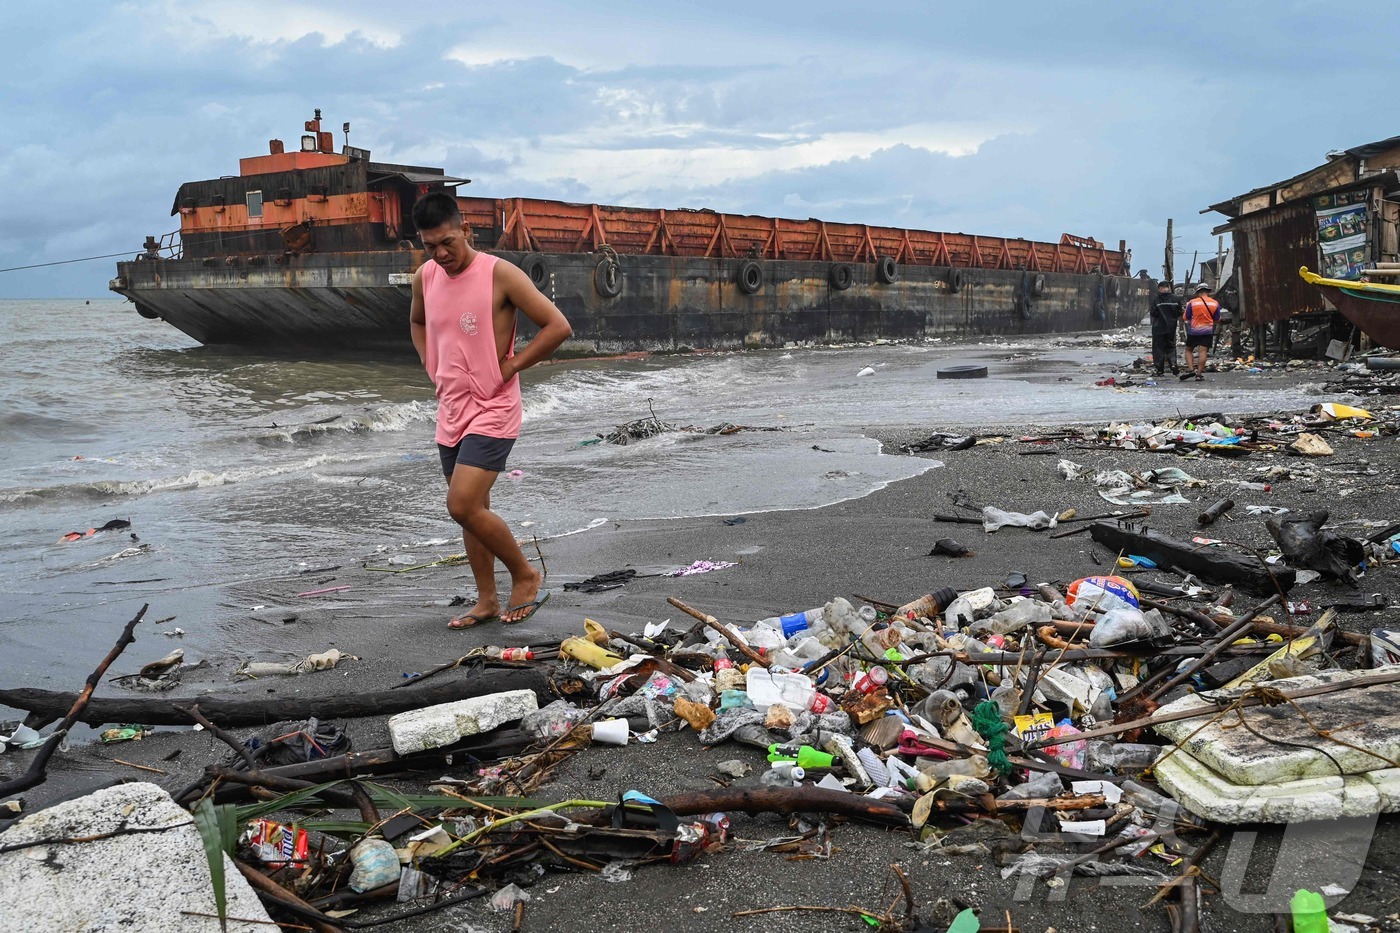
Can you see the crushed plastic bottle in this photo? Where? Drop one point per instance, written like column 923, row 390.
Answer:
column 963, row 610
column 1121, row 757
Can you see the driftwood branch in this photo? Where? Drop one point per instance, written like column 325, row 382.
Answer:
column 713, row 623
column 36, row 773
column 238, row 747
column 786, row 800
column 46, row 705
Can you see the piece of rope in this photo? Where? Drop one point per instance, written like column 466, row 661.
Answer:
column 986, row 719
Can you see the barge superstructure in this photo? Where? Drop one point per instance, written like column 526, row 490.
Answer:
column 314, row 249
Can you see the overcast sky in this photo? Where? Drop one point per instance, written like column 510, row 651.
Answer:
column 1013, row 118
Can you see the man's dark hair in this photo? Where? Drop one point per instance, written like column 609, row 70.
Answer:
column 1164, row 284
column 434, row 210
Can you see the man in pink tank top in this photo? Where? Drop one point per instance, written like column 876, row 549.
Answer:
column 463, row 326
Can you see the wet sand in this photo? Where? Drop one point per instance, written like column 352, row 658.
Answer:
column 876, row 546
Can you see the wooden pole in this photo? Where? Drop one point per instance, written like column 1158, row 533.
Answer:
column 713, row 623
column 35, row 774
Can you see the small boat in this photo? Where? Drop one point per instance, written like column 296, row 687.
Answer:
column 1373, row 308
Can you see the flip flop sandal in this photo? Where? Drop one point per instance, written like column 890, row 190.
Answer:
column 533, row 606
column 469, row 620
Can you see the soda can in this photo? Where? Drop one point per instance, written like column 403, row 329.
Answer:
column 871, row 680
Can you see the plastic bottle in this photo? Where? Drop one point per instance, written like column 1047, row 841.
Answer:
column 1257, row 487
column 792, row 623
column 927, row 607
column 581, row 649
column 1022, row 613
column 784, row 774
column 805, row 755
column 1309, row 912
column 1123, row 757
column 965, row 608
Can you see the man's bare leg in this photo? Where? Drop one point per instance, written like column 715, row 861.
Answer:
column 483, row 564
column 469, row 504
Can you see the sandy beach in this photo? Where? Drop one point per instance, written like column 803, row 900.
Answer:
column 876, row 546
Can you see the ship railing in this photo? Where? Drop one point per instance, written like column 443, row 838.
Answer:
column 530, row 225
column 166, row 246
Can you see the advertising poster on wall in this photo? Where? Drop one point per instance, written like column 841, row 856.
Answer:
column 1341, row 234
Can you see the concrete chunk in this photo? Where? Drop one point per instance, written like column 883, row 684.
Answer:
column 1367, row 719
column 140, row 881
column 435, row 726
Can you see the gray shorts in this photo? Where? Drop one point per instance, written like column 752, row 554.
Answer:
column 476, row 450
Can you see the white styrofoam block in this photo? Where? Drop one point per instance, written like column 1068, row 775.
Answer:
column 1208, row 794
column 435, row 726
column 141, row 881
column 1366, row 718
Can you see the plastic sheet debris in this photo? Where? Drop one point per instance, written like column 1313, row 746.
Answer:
column 994, row 519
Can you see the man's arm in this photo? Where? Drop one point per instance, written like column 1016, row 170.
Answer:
column 418, row 318
column 519, row 291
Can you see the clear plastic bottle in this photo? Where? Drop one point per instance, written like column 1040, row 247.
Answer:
column 1121, row 757
column 965, row 608
column 792, row 623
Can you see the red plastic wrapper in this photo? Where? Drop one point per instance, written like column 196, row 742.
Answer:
column 692, row 839
column 277, row 845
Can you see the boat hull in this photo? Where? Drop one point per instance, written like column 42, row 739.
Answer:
column 1377, row 317
column 361, row 301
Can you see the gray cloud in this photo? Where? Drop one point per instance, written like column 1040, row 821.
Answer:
column 1070, row 117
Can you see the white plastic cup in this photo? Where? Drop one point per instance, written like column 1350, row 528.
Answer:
column 611, row 732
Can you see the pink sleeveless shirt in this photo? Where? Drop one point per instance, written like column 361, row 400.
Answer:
column 461, row 351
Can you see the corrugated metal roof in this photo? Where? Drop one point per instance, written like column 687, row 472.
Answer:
column 1229, row 206
column 420, row 178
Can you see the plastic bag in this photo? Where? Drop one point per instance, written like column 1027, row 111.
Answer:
column 1121, row 626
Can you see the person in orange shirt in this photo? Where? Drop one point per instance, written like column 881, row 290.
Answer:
column 1201, row 315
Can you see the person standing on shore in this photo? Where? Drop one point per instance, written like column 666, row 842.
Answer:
column 463, row 326
column 1166, row 318
column 1201, row 315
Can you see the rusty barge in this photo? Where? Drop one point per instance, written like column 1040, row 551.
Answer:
column 313, row 249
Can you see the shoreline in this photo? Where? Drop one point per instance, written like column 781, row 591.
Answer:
column 875, row 545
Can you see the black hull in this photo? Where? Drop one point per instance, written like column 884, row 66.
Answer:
column 355, row 301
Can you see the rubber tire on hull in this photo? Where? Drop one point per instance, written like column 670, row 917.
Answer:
column 886, row 270
column 749, row 277
column 840, row 276
column 536, row 266
column 1038, row 286
column 146, row 312
column 955, row 280
column 607, row 278
column 963, row 371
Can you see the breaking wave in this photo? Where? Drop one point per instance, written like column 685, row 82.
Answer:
column 194, row 479
column 612, row 396
column 384, row 419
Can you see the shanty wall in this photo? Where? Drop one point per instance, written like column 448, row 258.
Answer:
column 1270, row 246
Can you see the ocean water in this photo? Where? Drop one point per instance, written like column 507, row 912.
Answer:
column 235, row 467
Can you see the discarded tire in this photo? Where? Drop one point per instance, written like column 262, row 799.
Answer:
column 840, row 276
column 886, row 270
column 955, row 280
column 963, row 371
column 537, row 268
column 607, row 278
column 749, row 277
